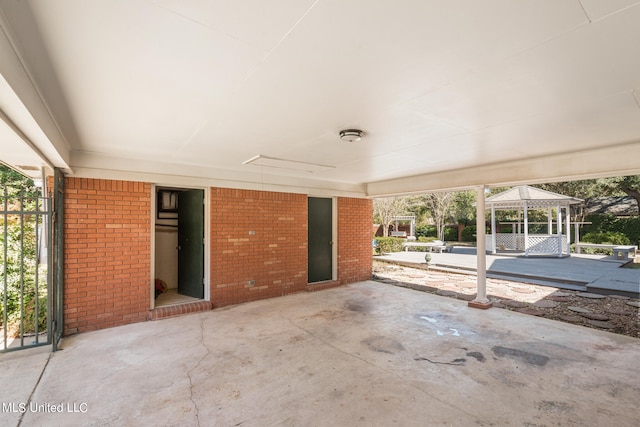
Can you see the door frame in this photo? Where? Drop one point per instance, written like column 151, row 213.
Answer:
column 334, row 234
column 207, row 240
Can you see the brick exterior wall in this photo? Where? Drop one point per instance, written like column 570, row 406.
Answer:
column 258, row 249
column 107, row 253
column 274, row 257
column 355, row 217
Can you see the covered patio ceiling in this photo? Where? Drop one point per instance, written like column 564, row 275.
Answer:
column 449, row 94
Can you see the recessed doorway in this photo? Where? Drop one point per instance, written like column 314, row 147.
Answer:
column 179, row 246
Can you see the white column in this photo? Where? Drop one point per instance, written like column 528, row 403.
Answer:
column 549, row 222
column 481, row 300
column 412, row 231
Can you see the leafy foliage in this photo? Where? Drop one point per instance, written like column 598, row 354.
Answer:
column 469, row 234
column 591, row 188
column 630, row 227
column 18, row 256
column 440, row 205
column 607, row 238
column 389, row 244
column 385, row 209
column 425, row 231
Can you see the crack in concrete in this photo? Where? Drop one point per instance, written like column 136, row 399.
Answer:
column 197, row 365
column 44, row 368
column 454, row 362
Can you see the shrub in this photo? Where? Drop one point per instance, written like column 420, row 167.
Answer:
column 450, row 234
column 607, row 238
column 426, row 231
column 389, row 244
column 630, row 227
column 468, row 234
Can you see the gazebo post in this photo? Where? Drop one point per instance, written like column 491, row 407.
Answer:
column 559, row 229
column 518, row 248
column 568, row 215
column 493, row 229
column 481, row 300
column 526, row 229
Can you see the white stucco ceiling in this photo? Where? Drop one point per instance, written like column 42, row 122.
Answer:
column 449, row 94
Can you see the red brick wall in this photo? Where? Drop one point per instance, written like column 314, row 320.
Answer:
column 107, row 253
column 355, row 217
column 275, row 257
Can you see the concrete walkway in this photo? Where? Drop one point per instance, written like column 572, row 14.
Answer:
column 592, row 273
column 362, row 354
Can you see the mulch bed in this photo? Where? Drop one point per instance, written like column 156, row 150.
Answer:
column 620, row 315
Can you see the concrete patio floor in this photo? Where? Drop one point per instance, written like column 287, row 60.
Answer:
column 362, row 354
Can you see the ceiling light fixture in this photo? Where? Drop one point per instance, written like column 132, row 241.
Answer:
column 351, row 135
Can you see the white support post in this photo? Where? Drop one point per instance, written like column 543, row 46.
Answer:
column 549, row 222
column 481, row 300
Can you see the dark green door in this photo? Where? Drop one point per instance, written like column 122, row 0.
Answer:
column 320, row 239
column 191, row 243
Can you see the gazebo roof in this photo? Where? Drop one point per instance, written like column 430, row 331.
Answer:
column 531, row 197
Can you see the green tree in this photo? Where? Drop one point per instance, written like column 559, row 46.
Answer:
column 629, row 185
column 385, row 209
column 19, row 247
column 463, row 209
column 440, row 206
column 582, row 189
column 15, row 183
column 602, row 187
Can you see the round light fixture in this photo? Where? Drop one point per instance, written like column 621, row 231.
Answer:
column 351, row 135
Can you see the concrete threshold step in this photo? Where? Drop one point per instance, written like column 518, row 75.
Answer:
column 613, row 291
column 539, row 281
column 180, row 309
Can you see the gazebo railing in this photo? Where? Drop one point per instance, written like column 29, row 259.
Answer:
column 547, row 244
column 538, row 244
column 509, row 242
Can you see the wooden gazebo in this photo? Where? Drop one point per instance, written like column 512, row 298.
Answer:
column 557, row 239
